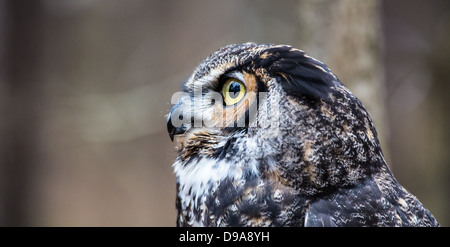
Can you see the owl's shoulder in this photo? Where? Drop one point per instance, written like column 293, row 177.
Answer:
column 379, row 200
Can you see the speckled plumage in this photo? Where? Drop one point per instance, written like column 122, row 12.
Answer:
column 309, row 155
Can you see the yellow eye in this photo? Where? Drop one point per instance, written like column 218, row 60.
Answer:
column 233, row 91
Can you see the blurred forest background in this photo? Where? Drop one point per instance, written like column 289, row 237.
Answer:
column 85, row 86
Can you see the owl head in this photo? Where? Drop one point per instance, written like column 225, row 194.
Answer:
column 271, row 110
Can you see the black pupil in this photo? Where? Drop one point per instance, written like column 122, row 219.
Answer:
column 234, row 90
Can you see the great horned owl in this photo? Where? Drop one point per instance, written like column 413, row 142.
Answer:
column 268, row 136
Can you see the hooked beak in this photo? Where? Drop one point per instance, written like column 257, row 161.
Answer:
column 173, row 131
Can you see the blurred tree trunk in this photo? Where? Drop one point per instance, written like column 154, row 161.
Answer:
column 417, row 73
column 19, row 27
column 346, row 35
column 439, row 119
column 3, row 100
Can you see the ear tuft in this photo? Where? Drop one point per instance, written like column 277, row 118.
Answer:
column 299, row 74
